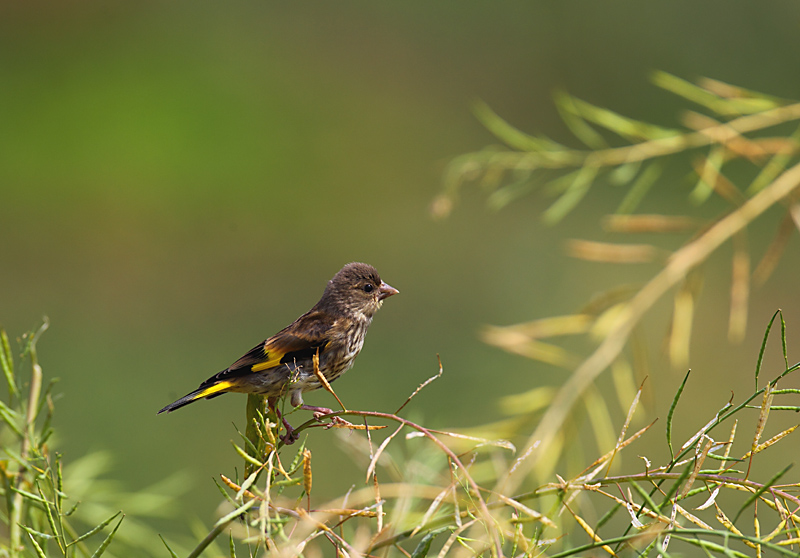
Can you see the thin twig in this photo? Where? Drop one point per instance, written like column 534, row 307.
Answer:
column 679, row 265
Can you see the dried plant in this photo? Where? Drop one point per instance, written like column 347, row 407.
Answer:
column 445, row 493
column 733, row 135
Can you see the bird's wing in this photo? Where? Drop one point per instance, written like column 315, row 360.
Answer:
column 299, row 341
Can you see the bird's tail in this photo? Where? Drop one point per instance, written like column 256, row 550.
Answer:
column 204, row 391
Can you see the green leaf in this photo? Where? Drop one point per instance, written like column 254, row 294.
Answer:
column 97, row 529
column 772, row 169
column 39, row 552
column 424, row 545
column 171, row 552
column 783, row 341
column 624, row 173
column 501, row 197
column 676, row 486
column 235, row 513
column 726, row 107
column 757, row 494
column 102, row 548
column 10, row 417
column 510, row 135
column 569, row 199
column 672, row 412
column 7, row 363
column 623, row 126
column 565, row 104
column 645, row 495
column 711, row 170
column 50, row 519
column 35, row 533
column 607, row 516
column 764, row 345
column 639, row 188
column 225, row 493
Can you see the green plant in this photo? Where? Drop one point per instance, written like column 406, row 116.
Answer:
column 447, row 493
column 462, row 493
column 731, row 137
column 53, row 508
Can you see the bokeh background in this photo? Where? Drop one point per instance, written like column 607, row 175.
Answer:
column 178, row 180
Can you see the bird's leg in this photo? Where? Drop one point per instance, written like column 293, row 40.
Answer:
column 320, row 413
column 291, row 436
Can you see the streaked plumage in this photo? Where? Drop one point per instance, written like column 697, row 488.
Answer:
column 282, row 365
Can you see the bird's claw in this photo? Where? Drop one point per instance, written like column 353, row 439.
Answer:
column 290, row 437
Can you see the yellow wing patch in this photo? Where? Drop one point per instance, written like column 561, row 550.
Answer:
column 271, row 362
column 216, row 388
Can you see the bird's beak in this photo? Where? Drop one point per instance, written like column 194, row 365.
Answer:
column 386, row 290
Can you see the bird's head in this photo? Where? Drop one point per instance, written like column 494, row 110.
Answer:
column 357, row 289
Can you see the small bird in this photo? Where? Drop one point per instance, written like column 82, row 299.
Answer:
column 334, row 330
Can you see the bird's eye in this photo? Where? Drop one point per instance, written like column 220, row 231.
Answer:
column 368, row 288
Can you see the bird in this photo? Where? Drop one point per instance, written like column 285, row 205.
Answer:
column 283, row 365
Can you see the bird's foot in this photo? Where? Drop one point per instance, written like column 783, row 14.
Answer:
column 291, row 435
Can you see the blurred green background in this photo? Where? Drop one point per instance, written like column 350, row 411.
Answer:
column 179, row 180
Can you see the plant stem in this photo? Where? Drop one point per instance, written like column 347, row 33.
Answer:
column 35, row 391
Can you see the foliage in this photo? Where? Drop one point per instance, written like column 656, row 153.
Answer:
column 457, row 493
column 452, row 496
column 731, row 137
column 470, row 493
column 53, row 508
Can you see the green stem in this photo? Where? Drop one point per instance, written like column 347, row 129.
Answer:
column 213, row 534
column 256, row 408
column 35, row 391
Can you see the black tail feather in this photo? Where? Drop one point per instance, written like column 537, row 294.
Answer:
column 186, row 399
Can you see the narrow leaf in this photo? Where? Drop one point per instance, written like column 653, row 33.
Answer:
column 508, row 134
column 565, row 104
column 102, row 548
column 569, row 199
column 624, row 173
column 35, row 533
column 7, row 363
column 96, row 529
column 623, row 126
column 695, row 94
column 424, row 545
column 672, row 412
column 640, row 188
column 236, row 513
column 708, row 176
column 757, row 494
column 39, row 552
column 764, row 345
column 172, row 553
